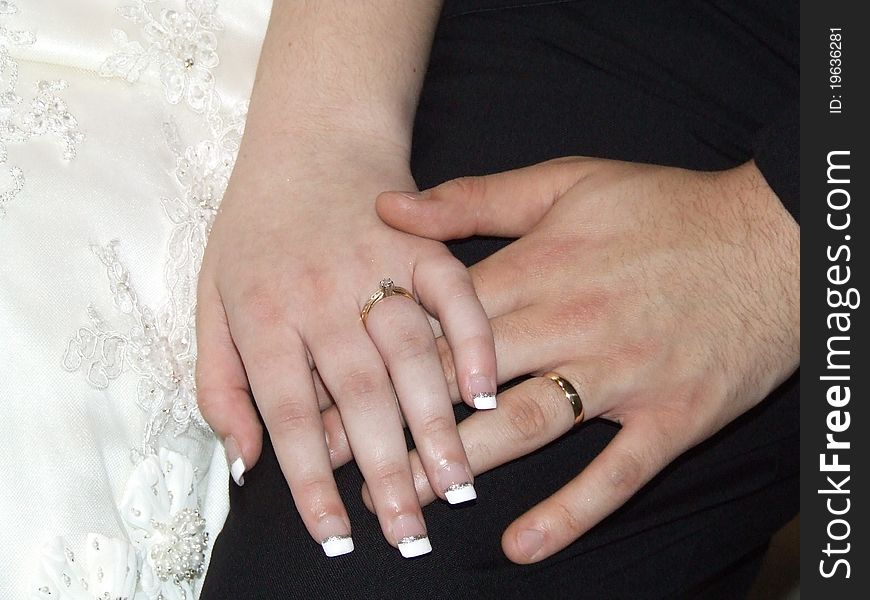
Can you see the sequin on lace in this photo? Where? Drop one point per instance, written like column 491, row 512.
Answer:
column 157, row 345
column 181, row 43
column 45, row 114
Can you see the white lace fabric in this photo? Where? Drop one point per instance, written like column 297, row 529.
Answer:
column 115, row 149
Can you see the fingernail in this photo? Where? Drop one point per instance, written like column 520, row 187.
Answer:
column 454, row 481
column 530, row 542
column 335, row 536
column 235, row 460
column 482, row 390
column 410, row 534
column 412, row 195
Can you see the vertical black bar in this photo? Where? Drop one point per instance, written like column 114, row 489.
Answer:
column 835, row 224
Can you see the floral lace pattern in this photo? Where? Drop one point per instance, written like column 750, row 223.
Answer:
column 183, row 45
column 46, row 113
column 157, row 346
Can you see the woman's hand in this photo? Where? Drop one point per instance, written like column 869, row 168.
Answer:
column 295, row 254
column 290, row 263
column 668, row 298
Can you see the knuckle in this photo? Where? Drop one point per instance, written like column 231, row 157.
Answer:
column 592, row 308
column 477, row 342
column 392, row 475
column 437, row 426
column 314, row 486
column 471, row 187
column 412, row 346
column 627, row 472
column 566, row 517
column 213, row 401
column 359, row 386
column 262, row 306
column 526, row 419
column 458, row 280
column 288, row 414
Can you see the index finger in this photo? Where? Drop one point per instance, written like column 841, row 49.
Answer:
column 632, row 458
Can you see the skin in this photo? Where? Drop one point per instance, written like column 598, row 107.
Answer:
column 669, row 298
column 296, row 251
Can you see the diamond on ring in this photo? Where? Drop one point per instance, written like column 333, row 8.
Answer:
column 386, row 288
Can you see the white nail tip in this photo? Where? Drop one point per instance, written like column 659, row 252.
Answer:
column 484, row 401
column 463, row 492
column 237, row 470
column 337, row 545
column 417, row 545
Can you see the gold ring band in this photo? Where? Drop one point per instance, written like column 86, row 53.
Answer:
column 386, row 288
column 570, row 393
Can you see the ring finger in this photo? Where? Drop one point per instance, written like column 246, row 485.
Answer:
column 401, row 332
column 530, row 416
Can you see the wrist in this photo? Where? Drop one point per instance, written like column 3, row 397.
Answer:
column 325, row 153
column 755, row 219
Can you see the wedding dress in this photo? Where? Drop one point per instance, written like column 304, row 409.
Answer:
column 119, row 123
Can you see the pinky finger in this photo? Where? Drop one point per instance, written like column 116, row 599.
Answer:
column 631, row 459
column 222, row 391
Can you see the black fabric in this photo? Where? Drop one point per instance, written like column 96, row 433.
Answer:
column 777, row 155
column 691, row 84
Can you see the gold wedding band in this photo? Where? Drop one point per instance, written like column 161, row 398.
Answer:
column 570, row 393
column 386, row 288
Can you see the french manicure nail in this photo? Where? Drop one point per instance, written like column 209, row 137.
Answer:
column 482, row 390
column 460, row 492
column 455, row 482
column 484, row 401
column 235, row 460
column 336, row 545
column 410, row 534
column 530, row 542
column 335, row 536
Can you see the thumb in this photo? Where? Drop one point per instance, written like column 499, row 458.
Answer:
column 507, row 204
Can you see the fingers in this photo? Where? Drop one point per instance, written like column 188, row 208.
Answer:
column 529, row 416
column 446, row 291
column 354, row 373
column 222, row 386
column 401, row 333
column 522, row 346
column 283, row 386
column 632, row 458
column 506, row 204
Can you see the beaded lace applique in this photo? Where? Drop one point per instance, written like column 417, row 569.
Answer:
column 158, row 345
column 162, row 555
column 45, row 114
column 183, row 45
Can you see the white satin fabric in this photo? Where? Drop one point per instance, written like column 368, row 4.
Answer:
column 110, row 174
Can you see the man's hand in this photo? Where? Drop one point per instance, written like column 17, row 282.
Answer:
column 668, row 298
